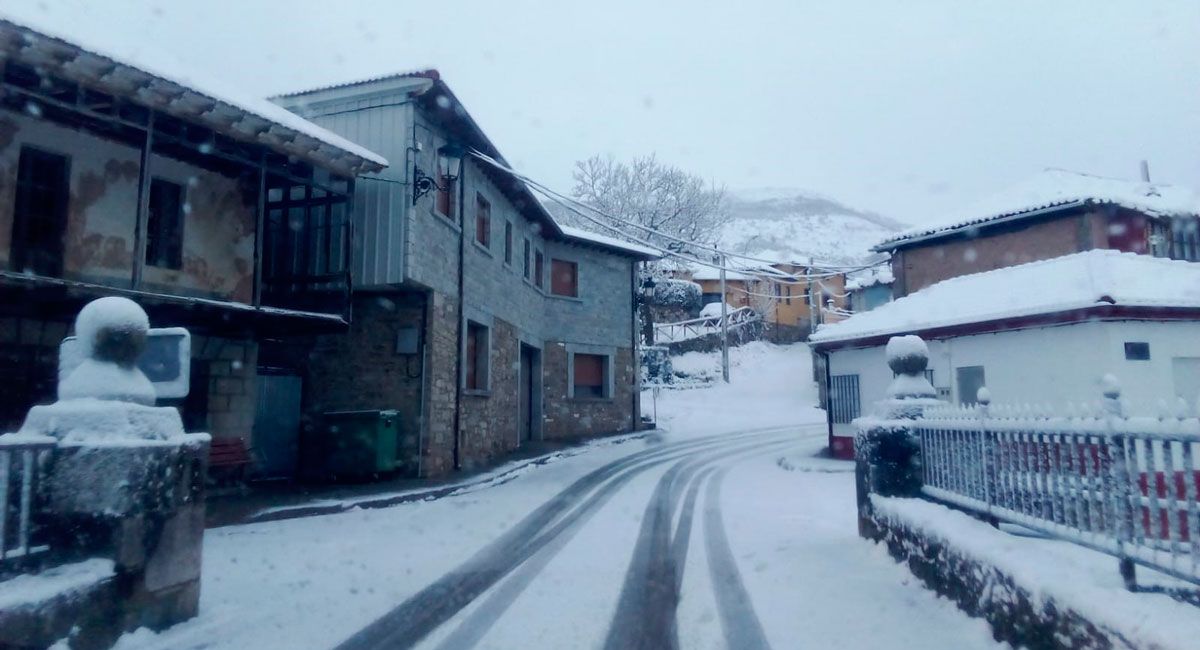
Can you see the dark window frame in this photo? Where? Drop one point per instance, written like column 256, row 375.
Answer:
column 25, row 244
column 483, row 221
column 164, row 233
column 508, row 242
column 539, row 269
column 444, row 194
column 1137, row 351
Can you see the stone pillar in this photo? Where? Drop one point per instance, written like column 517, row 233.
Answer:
column 887, row 455
column 124, row 480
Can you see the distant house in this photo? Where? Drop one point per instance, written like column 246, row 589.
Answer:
column 477, row 317
column 783, row 304
column 869, row 289
column 1044, row 331
column 1051, row 214
column 217, row 212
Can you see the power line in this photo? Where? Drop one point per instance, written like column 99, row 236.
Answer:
column 770, row 273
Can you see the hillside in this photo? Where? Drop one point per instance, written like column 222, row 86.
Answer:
column 788, row 224
column 778, row 223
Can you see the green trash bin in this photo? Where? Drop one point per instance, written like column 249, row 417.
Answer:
column 353, row 444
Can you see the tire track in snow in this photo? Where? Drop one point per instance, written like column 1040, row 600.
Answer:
column 416, row 617
column 739, row 623
column 471, row 630
column 646, row 612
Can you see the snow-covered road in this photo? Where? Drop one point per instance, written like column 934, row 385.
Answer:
column 725, row 532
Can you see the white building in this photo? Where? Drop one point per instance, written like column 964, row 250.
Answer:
column 1042, row 332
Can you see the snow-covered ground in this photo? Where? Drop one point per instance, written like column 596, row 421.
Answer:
column 724, row 529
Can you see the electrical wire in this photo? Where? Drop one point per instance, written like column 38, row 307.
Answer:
column 574, row 206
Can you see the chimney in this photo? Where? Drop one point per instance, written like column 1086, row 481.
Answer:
column 1145, row 172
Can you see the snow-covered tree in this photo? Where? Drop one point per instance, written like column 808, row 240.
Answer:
column 655, row 195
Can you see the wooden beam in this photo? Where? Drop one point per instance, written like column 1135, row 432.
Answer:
column 141, row 221
column 260, row 221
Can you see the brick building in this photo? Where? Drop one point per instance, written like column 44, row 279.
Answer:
column 476, row 316
column 1052, row 214
column 224, row 215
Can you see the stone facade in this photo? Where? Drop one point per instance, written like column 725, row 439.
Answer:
column 567, row 417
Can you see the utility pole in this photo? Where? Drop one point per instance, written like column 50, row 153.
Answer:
column 724, row 323
column 814, row 309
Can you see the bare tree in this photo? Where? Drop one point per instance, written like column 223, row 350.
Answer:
column 654, row 195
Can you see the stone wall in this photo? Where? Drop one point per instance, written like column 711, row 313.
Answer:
column 567, row 417
column 1017, row 614
column 489, row 418
column 232, row 387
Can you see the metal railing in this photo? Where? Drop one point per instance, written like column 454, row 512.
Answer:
column 20, row 470
column 697, row 327
column 1126, row 486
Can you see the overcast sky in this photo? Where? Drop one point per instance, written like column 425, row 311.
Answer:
column 905, row 108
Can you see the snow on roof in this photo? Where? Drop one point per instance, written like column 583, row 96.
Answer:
column 1080, row 280
column 709, row 273
column 869, row 278
column 604, row 241
column 137, row 56
column 1057, row 188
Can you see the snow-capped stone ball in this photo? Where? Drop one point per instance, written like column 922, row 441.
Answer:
column 907, row 355
column 112, row 334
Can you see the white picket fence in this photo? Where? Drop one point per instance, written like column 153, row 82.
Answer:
column 1127, row 486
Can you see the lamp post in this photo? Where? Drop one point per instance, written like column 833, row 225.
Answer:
column 648, row 285
column 449, row 167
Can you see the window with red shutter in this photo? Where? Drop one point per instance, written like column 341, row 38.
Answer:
column 590, row 372
column 446, row 188
column 476, row 360
column 564, row 278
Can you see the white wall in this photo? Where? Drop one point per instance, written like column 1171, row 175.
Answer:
column 1048, row 365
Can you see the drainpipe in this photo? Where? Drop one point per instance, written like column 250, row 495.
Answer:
column 458, row 366
column 635, row 412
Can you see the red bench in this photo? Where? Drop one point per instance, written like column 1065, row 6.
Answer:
column 230, row 457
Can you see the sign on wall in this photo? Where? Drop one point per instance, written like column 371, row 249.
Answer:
column 166, row 361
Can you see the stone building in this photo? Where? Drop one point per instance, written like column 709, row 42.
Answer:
column 221, row 214
column 1054, row 213
column 477, row 317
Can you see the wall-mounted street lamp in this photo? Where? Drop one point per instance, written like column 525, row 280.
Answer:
column 449, row 164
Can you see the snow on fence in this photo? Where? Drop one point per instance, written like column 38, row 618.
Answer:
column 697, row 327
column 20, row 469
column 1126, row 486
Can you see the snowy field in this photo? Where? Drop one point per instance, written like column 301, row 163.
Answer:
column 580, row 553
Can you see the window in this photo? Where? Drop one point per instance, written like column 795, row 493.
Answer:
column 527, row 259
column 844, row 402
column 1137, row 351
column 483, row 221
column 787, row 294
column 589, row 376
column 477, row 356
column 446, row 187
column 508, row 242
column 970, row 380
column 539, row 268
column 164, row 227
column 710, row 297
column 564, row 278
column 40, row 212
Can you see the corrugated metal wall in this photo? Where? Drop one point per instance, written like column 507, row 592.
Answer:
column 382, row 124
